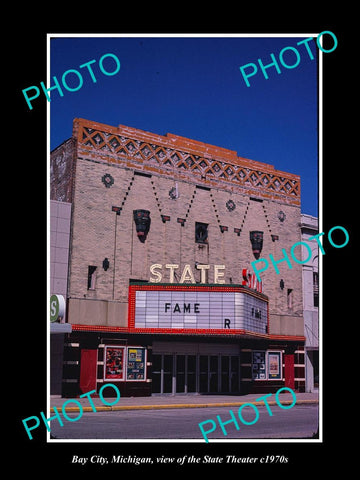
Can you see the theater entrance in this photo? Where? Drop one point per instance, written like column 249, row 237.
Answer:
column 204, row 370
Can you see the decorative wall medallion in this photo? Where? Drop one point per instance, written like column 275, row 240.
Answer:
column 230, row 205
column 107, row 180
column 142, row 221
column 256, row 239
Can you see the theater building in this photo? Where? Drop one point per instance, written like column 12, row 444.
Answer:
column 161, row 295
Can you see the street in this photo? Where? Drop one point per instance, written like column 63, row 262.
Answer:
column 301, row 421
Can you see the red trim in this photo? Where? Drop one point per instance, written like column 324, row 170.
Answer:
column 184, row 331
column 194, row 288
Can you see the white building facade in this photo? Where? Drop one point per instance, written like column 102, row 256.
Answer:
column 309, row 228
column 60, row 216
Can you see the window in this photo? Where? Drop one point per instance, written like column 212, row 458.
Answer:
column 91, row 277
column 201, row 232
column 316, row 288
column 290, row 298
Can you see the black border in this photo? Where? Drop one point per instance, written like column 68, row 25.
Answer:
column 26, row 160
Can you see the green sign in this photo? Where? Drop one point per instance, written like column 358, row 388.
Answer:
column 57, row 307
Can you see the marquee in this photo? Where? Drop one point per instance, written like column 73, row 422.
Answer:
column 166, row 308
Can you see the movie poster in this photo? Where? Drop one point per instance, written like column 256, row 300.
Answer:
column 114, row 363
column 274, row 367
column 136, row 364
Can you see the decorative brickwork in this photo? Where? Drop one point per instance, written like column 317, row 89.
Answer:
column 183, row 158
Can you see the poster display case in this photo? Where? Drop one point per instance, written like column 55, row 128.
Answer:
column 274, row 365
column 125, row 363
column 266, row 365
column 114, row 363
column 136, row 362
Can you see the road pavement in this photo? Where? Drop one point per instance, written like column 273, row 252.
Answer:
column 298, row 422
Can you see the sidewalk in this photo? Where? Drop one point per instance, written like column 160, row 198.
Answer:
column 176, row 401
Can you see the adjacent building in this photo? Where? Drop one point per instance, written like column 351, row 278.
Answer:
column 60, row 216
column 309, row 228
column 161, row 296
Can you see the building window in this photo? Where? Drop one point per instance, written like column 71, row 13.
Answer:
column 91, row 277
column 201, row 232
column 316, row 288
column 290, row 298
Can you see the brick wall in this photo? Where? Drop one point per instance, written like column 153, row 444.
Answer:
column 182, row 179
column 62, row 171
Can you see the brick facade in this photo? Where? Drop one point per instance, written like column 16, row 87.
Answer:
column 181, row 182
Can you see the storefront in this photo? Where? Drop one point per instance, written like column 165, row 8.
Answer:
column 195, row 367
column 186, row 339
column 164, row 230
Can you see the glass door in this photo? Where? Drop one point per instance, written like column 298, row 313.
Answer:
column 168, row 374
column 225, row 373
column 203, row 374
column 191, row 374
column 214, row 373
column 156, row 374
column 234, row 374
column 180, row 373
column 173, row 373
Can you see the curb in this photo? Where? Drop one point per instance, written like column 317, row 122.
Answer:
column 180, row 405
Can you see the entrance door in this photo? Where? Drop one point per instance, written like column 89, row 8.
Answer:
column 157, row 377
column 225, row 373
column 289, row 371
column 181, row 373
column 191, row 374
column 168, row 374
column 213, row 373
column 88, row 364
column 203, row 374
column 230, row 374
column 234, row 373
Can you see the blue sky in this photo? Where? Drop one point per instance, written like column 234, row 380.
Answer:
column 193, row 87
